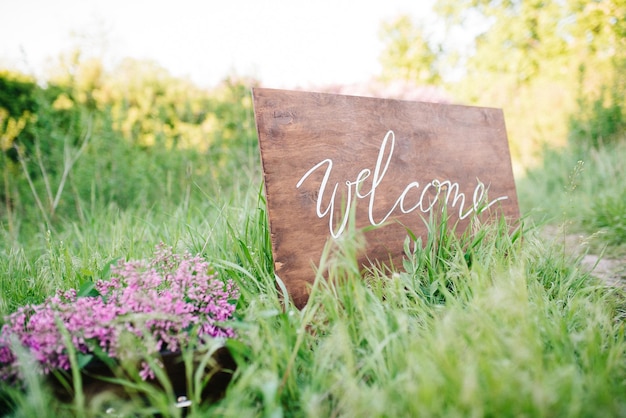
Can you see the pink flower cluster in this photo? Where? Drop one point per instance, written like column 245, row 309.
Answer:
column 163, row 303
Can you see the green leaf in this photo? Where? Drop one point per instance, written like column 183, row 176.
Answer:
column 83, row 359
column 88, row 289
column 106, row 270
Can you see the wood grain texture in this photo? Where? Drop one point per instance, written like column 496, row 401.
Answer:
column 297, row 130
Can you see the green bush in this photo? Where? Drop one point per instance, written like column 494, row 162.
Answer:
column 600, row 121
column 89, row 141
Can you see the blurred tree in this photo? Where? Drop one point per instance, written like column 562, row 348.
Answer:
column 150, row 107
column 532, row 38
column 536, row 59
column 410, row 55
column 17, row 107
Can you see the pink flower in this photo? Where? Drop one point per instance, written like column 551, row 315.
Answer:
column 161, row 301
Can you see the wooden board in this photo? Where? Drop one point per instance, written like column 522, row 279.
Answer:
column 392, row 162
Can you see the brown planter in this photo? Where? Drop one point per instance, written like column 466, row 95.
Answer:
column 94, row 377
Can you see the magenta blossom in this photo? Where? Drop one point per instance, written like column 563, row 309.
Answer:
column 162, row 302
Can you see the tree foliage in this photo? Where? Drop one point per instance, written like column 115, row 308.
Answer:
column 409, row 55
column 17, row 105
column 541, row 61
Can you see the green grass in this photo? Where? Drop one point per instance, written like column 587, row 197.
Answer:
column 519, row 330
column 581, row 188
column 498, row 323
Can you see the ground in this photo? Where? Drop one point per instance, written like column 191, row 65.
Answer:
column 609, row 268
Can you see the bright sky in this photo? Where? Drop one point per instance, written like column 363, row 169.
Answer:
column 288, row 43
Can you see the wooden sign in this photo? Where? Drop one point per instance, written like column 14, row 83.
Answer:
column 390, row 162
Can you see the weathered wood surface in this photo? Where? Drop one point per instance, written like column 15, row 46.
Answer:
column 428, row 143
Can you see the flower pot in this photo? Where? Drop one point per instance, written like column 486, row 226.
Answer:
column 96, row 379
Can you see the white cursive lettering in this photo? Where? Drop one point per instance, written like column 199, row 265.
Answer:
column 446, row 191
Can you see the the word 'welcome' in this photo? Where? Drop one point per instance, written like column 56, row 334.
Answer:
column 410, row 200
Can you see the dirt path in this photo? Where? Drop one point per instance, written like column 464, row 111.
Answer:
column 610, row 270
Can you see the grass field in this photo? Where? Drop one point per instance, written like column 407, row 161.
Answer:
column 494, row 324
